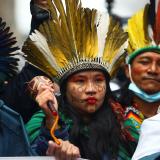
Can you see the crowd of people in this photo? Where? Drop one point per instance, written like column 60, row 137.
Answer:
column 61, row 104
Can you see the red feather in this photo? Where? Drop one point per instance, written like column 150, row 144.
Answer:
column 156, row 32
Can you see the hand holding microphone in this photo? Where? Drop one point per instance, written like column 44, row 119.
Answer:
column 42, row 89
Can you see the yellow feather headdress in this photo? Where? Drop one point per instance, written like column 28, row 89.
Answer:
column 74, row 39
column 144, row 30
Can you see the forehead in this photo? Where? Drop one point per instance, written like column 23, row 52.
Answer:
column 88, row 74
column 150, row 55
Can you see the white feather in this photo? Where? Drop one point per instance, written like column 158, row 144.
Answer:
column 150, row 33
column 102, row 21
column 41, row 43
column 120, row 53
column 156, row 5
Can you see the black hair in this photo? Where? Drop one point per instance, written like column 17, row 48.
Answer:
column 124, row 95
column 104, row 130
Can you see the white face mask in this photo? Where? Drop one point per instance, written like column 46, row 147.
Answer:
column 141, row 94
column 146, row 97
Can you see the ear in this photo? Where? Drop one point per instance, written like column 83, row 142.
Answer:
column 126, row 69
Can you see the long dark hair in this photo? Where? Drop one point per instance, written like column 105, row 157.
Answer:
column 104, row 131
column 124, row 96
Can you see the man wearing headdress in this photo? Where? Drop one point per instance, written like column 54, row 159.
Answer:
column 142, row 96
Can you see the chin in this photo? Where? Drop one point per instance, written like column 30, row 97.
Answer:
column 92, row 109
column 150, row 88
column 151, row 91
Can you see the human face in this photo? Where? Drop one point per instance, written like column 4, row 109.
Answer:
column 86, row 91
column 145, row 72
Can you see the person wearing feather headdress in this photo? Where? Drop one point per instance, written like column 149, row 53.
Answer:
column 11, row 124
column 14, row 92
column 81, row 48
column 142, row 95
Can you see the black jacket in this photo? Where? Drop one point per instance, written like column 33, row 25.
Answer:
column 14, row 94
column 13, row 137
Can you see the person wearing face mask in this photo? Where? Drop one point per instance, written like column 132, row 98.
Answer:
column 141, row 96
column 79, row 49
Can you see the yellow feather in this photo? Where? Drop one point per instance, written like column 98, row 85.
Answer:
column 137, row 30
column 115, row 38
column 35, row 57
column 73, row 33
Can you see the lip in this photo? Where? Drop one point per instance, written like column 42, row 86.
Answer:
column 91, row 100
column 152, row 79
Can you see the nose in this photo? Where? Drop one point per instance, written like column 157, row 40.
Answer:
column 153, row 68
column 91, row 88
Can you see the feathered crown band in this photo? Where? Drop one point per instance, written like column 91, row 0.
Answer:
column 75, row 38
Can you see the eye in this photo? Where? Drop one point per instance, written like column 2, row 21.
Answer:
column 99, row 79
column 79, row 81
column 144, row 62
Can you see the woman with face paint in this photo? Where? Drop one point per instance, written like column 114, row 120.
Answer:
column 80, row 47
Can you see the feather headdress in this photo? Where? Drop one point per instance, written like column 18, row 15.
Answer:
column 8, row 50
column 144, row 30
column 75, row 39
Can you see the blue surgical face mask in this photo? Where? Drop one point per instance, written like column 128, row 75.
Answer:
column 146, row 97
